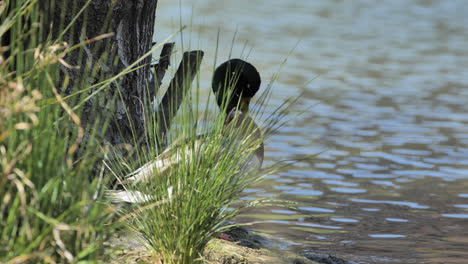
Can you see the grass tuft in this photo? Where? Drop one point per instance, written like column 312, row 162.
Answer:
column 186, row 200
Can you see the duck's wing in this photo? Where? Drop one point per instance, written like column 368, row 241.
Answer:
column 160, row 165
column 251, row 165
column 128, row 196
column 164, row 163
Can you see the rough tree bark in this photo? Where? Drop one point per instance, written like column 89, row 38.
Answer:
column 132, row 25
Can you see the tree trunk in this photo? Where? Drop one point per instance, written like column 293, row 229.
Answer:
column 132, row 25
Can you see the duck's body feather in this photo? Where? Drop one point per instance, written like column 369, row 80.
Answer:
column 180, row 152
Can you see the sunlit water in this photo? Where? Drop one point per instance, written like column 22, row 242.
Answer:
column 389, row 123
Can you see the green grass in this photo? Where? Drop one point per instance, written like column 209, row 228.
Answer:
column 52, row 208
column 189, row 204
column 49, row 210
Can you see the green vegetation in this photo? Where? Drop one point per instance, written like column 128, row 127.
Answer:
column 54, row 171
column 188, row 204
column 49, row 210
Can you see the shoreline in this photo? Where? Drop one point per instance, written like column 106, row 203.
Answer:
column 247, row 247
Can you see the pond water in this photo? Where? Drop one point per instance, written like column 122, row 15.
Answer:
column 389, row 121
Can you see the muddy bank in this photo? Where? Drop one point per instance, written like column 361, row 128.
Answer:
column 246, row 247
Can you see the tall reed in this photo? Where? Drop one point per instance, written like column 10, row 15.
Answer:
column 49, row 201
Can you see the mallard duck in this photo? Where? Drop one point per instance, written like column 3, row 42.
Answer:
column 234, row 84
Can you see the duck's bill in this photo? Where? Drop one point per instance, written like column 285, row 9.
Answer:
column 244, row 104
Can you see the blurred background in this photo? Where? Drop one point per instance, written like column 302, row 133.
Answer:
column 388, row 84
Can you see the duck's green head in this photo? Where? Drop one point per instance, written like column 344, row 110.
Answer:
column 235, row 82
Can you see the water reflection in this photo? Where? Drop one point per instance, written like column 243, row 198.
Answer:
column 462, row 216
column 387, row 236
column 390, row 121
column 396, row 220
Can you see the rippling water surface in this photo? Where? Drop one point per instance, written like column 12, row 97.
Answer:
column 389, row 121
